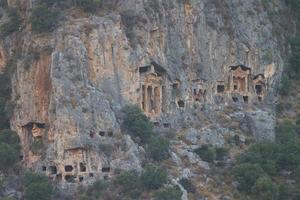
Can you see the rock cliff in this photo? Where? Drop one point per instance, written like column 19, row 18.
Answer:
column 207, row 69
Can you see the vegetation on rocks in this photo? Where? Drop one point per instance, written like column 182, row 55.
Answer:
column 258, row 170
column 154, row 177
column 12, row 25
column 169, row 193
column 138, row 125
column 44, row 19
column 88, row 5
column 9, row 149
column 158, row 148
column 132, row 185
column 37, row 187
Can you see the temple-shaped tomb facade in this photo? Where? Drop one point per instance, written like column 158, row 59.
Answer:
column 259, row 84
column 199, row 91
column 239, row 80
column 241, row 85
column 152, row 98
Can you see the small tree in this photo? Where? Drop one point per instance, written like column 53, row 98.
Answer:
column 154, row 177
column 88, row 5
column 12, row 25
column 188, row 185
column 9, row 149
column 247, row 174
column 8, row 156
column 265, row 154
column 206, row 153
column 95, row 191
column 130, row 183
column 37, row 187
column 286, row 132
column 44, row 19
column 158, row 148
column 170, row 193
column 136, row 123
column 265, row 189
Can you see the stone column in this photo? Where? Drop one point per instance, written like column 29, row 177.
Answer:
column 157, row 95
column 246, row 83
column 153, row 106
column 149, row 98
column 143, row 97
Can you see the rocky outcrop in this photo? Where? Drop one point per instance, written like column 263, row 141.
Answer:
column 180, row 61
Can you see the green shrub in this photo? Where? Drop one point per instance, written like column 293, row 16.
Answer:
column 13, row 23
column 10, row 137
column 285, row 86
column 158, row 148
column 297, row 173
column 88, row 5
column 37, row 145
column 3, row 3
column 265, row 189
column 44, row 19
column 265, row 154
column 294, row 64
column 8, row 156
column 170, row 193
column 206, row 153
column 221, row 153
column 286, row 132
column 4, row 101
column 49, row 2
column 130, row 183
column 137, row 124
column 95, row 191
column 154, row 177
column 37, row 187
column 187, row 184
column 289, row 155
column 247, row 174
column 9, row 149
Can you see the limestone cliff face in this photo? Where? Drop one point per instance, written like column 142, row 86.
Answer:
column 178, row 60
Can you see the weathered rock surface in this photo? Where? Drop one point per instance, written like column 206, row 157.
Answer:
column 91, row 66
column 262, row 124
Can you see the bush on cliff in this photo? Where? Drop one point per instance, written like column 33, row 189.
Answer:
column 257, row 169
column 130, row 183
column 44, row 19
column 170, row 193
column 137, row 124
column 154, row 177
column 265, row 189
column 12, row 25
column 88, row 5
column 206, row 153
column 37, row 187
column 158, row 148
column 9, row 149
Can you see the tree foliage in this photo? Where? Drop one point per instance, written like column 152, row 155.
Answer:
column 88, row 5
column 154, row 177
column 137, row 124
column 158, row 148
column 9, row 149
column 206, row 153
column 256, row 166
column 130, row 183
column 12, row 25
column 44, row 19
column 37, row 187
column 169, row 193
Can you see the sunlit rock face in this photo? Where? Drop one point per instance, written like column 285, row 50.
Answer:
column 176, row 60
